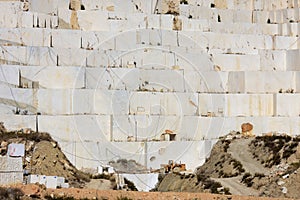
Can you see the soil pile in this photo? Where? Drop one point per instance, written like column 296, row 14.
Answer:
column 258, row 166
column 42, row 155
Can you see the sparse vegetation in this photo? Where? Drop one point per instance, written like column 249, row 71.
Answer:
column 277, row 148
column 247, row 179
column 33, row 136
column 56, row 197
column 123, row 198
column 259, row 175
column 227, row 191
column 293, row 167
column 100, row 176
column 238, row 165
column 201, row 177
column 184, row 2
column 212, row 185
column 226, row 146
column 130, row 185
column 10, row 193
column 208, row 183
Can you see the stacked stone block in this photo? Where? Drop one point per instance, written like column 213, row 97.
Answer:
column 108, row 78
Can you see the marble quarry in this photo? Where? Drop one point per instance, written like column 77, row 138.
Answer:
column 148, row 80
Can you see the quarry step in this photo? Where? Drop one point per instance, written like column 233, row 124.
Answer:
column 77, row 39
column 136, row 73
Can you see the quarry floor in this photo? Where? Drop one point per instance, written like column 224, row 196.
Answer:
column 37, row 191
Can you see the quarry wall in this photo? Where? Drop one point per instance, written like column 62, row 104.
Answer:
column 108, row 78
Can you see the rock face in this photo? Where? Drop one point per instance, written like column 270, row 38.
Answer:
column 106, row 78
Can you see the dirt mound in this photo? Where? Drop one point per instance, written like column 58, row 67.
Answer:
column 258, row 166
column 10, row 193
column 48, row 159
column 189, row 183
column 221, row 164
column 278, row 153
column 42, row 155
column 272, row 150
column 179, row 183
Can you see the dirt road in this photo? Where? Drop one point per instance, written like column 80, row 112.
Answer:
column 239, row 150
column 235, row 187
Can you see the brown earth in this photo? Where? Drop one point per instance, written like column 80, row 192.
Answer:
column 42, row 155
column 258, row 166
column 33, row 191
column 241, row 166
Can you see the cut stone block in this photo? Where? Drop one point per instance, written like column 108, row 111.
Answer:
column 63, row 38
column 233, row 62
column 55, row 77
column 287, row 106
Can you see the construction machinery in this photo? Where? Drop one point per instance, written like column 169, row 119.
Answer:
column 172, row 167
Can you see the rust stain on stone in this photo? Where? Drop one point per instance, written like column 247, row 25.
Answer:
column 74, row 20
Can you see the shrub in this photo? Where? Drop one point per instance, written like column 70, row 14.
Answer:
column 183, row 2
column 221, row 174
column 101, row 176
column 201, row 177
column 247, row 179
column 246, row 175
column 130, row 185
column 226, row 146
column 288, row 152
column 123, row 198
column 238, row 165
column 11, row 193
column 212, row 185
column 293, row 167
column 55, row 197
column 226, row 191
column 259, row 175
